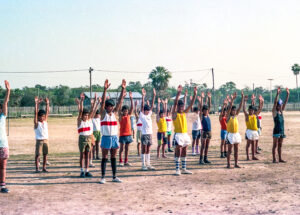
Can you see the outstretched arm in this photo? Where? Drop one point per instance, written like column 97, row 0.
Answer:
column 261, row 104
column 223, row 111
column 153, row 99
column 135, row 110
column 37, row 102
column 209, row 101
column 158, row 109
column 131, row 103
column 253, row 97
column 275, row 101
column 6, row 99
column 106, row 86
column 143, row 100
column 166, row 106
column 185, row 97
column 193, row 100
column 121, row 97
column 244, row 108
column 231, row 101
column 286, row 98
column 95, row 107
column 179, row 90
column 241, row 103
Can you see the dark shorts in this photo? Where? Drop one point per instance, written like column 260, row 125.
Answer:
column 125, row 139
column 223, row 134
column 146, row 139
column 206, row 134
column 41, row 147
column 161, row 138
column 279, row 135
column 196, row 134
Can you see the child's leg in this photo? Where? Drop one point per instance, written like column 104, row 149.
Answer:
column 228, row 155
column 3, row 163
column 197, row 145
column 81, row 160
column 178, row 150
column 104, row 161
column 256, row 147
column 236, row 154
column 206, row 146
column 280, row 140
column 169, row 142
column 193, row 146
column 113, row 154
column 253, row 150
column 86, row 157
column 144, row 155
column 133, row 133
column 139, row 148
column 203, row 142
column 97, row 150
column 91, row 155
column 121, row 152
column 247, row 149
column 183, row 157
column 126, row 152
column 158, row 149
column 275, row 140
column 37, row 162
column 163, row 149
column 44, row 162
column 148, row 162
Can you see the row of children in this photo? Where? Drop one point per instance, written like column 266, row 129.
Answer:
column 94, row 123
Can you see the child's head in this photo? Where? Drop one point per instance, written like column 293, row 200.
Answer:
column 251, row 109
column 41, row 115
column 255, row 110
column 233, row 111
column 109, row 105
column 279, row 105
column 168, row 112
column 196, row 110
column 180, row 106
column 85, row 114
column 205, row 110
column 224, row 112
column 97, row 114
column 124, row 110
column 161, row 114
column 146, row 109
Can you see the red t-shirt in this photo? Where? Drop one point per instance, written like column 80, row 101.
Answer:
column 125, row 126
column 223, row 123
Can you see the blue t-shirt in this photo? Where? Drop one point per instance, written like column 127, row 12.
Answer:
column 206, row 126
column 3, row 136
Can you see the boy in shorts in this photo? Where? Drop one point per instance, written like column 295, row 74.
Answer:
column 146, row 139
column 162, row 129
column 196, row 129
column 169, row 128
column 41, row 133
column 138, row 129
column 223, row 123
column 97, row 134
column 4, row 150
column 181, row 137
column 125, row 131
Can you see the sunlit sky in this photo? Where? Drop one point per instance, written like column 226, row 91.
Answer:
column 245, row 41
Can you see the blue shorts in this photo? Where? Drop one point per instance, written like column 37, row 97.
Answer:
column 125, row 139
column 196, row 134
column 109, row 142
column 223, row 134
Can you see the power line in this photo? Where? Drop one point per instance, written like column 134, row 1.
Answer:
column 124, row 71
column 37, row 72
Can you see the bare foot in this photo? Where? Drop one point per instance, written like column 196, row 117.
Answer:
column 282, row 161
column 37, row 171
column 257, row 152
column 45, row 170
column 228, row 166
column 237, row 166
column 254, row 158
column 164, row 156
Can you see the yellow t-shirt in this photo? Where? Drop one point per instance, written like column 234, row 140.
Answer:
column 180, row 124
column 252, row 123
column 162, row 125
column 233, row 125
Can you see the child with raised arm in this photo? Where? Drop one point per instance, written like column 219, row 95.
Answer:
column 145, row 117
column 233, row 137
column 41, row 133
column 109, row 130
column 278, row 131
column 85, row 131
column 196, row 128
column 125, row 130
column 206, row 129
column 223, row 123
column 252, row 129
column 162, row 129
column 97, row 134
column 169, row 125
column 4, row 149
column 181, row 137
column 259, row 117
column 138, row 128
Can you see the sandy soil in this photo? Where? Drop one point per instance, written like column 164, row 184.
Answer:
column 259, row 187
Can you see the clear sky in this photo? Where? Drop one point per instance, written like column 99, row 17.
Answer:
column 246, row 41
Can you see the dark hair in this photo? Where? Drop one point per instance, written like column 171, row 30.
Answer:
column 161, row 112
column 195, row 109
column 0, row 105
column 97, row 112
column 168, row 111
column 255, row 109
column 233, row 107
column 251, row 107
column 41, row 113
column 146, row 108
column 85, row 111
column 109, row 102
column 180, row 102
column 125, row 107
column 205, row 107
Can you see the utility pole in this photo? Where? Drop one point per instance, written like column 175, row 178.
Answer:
column 213, row 88
column 253, row 88
column 90, row 71
column 270, row 79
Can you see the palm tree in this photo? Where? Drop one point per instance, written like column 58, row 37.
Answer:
column 160, row 77
column 296, row 70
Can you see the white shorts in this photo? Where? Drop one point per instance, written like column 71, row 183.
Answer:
column 252, row 134
column 234, row 138
column 182, row 139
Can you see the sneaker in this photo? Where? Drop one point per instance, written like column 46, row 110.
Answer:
column 117, row 180
column 206, row 161
column 259, row 149
column 121, row 164
column 222, row 155
column 82, row 175
column 201, row 162
column 170, row 150
column 91, row 165
column 144, row 168
column 4, row 190
column 127, row 164
column 102, row 181
column 151, row 167
column 48, row 163
column 185, row 171
column 88, row 174
column 178, row 172
column 193, row 154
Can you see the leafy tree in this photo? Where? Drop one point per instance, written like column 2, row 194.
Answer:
column 296, row 70
column 160, row 77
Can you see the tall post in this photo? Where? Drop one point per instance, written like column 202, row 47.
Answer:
column 270, row 79
column 213, row 88
column 253, row 88
column 90, row 71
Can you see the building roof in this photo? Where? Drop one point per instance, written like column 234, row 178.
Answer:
column 180, row 97
column 114, row 95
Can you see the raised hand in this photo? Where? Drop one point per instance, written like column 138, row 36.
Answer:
column 148, row 103
column 130, row 95
column 253, row 97
column 166, row 101
column 123, row 85
column 209, row 94
column 143, row 92
column 186, row 92
column 278, row 90
column 242, row 93
column 288, row 91
column 195, row 90
column 202, row 95
column 158, row 100
column 234, row 95
column 154, row 92
column 225, row 102
column 99, row 99
column 179, row 89
column 82, row 96
column 191, row 97
column 36, row 100
column 260, row 98
column 77, row 101
column 246, row 97
column 7, row 85
column 47, row 100
column 106, row 84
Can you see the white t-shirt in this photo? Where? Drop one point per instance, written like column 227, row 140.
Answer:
column 196, row 122
column 169, row 123
column 96, row 124
column 146, row 123
column 3, row 136
column 41, row 132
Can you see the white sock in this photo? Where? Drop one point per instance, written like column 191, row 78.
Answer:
column 148, row 159
column 143, row 159
column 86, row 170
column 81, row 170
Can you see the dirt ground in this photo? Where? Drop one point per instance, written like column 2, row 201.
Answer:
column 259, row 187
